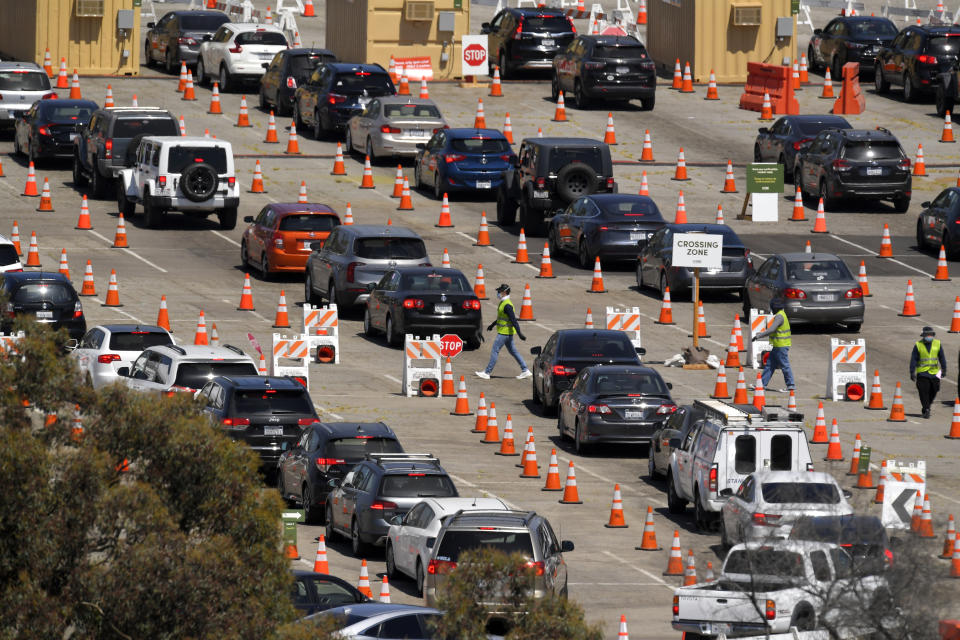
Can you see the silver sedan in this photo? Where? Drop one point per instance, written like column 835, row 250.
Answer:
column 107, row 347
column 393, row 126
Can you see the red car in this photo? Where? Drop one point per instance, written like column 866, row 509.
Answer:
column 279, row 239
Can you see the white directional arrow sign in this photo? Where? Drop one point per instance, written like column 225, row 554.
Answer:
column 898, row 499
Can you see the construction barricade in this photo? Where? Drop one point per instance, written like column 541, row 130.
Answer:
column 900, row 488
column 8, row 342
column 626, row 320
column 291, row 357
column 773, row 80
column 759, row 349
column 847, row 373
column 851, row 98
column 321, row 325
column 422, row 366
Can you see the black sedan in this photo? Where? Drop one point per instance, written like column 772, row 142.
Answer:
column 849, row 39
column 939, row 223
column 423, row 301
column 314, row 592
column 568, row 351
column 289, row 69
column 816, row 288
column 655, row 269
column 607, row 67
column 176, row 38
column 47, row 297
column 610, row 226
column 611, row 404
column 788, row 135
column 668, row 437
column 46, row 129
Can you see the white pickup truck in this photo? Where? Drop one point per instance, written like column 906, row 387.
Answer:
column 768, row 588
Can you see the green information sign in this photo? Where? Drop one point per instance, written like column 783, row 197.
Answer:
column 290, row 518
column 137, row 3
column 765, row 177
column 794, row 7
column 458, row 4
column 864, row 465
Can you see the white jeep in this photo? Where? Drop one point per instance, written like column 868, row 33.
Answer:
column 192, row 175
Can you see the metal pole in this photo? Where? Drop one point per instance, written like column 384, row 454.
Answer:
column 696, row 305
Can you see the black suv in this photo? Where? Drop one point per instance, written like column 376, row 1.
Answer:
column 849, row 39
column 605, row 68
column 337, row 91
column 916, row 58
column 866, row 163
column 550, row 173
column 48, row 297
column 527, row 38
column 288, row 70
column 327, row 450
column 177, row 37
column 268, row 413
column 109, row 141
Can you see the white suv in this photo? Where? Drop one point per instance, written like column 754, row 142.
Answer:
column 9, row 260
column 192, row 175
column 171, row 367
column 21, row 84
column 238, row 51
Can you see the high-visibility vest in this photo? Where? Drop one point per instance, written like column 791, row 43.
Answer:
column 929, row 361
column 504, row 326
column 781, row 337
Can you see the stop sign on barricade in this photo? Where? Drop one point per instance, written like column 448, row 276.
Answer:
column 451, row 345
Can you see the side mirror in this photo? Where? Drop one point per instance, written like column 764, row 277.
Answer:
column 726, row 493
column 641, row 351
column 333, row 483
column 764, row 129
column 485, row 27
column 817, row 32
column 316, row 246
column 674, row 443
column 248, row 218
column 371, row 286
column 265, row 65
column 421, row 145
column 71, row 344
column 566, row 546
column 847, row 494
column 536, row 351
column 124, row 371
column 207, row 37
column 669, row 385
column 925, row 204
column 151, row 25
column 396, row 520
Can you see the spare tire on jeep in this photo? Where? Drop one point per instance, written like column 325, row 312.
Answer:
column 199, row 182
column 576, row 180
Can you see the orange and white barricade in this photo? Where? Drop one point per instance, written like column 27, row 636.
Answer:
column 759, row 321
column 627, row 320
column 291, row 357
column 8, row 342
column 422, row 366
column 321, row 325
column 847, row 373
column 902, row 483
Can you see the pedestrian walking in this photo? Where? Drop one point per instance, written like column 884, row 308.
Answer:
column 779, row 332
column 507, row 327
column 927, row 366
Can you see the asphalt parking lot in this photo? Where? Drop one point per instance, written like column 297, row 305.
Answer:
column 197, row 267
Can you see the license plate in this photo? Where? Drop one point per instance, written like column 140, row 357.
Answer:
column 548, row 42
column 363, row 101
column 541, row 194
column 74, row 137
column 714, row 270
column 638, row 236
column 633, row 415
column 623, row 69
column 417, row 133
column 303, row 246
column 443, row 308
column 824, row 297
column 266, row 56
column 874, row 171
column 273, row 431
column 716, row 628
column 44, row 315
column 484, row 184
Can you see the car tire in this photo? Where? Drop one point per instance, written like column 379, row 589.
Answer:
column 552, row 239
column 664, row 283
column 98, row 183
column 32, row 156
column 854, row 327
column 124, row 205
column 368, row 329
column 647, row 104
column 420, row 578
column 745, row 299
column 17, row 150
column 311, row 514
column 640, row 282
column 836, row 69
column 298, row 118
column 201, row 73
column 579, row 96
column 199, row 182
column 392, row 338
column 674, row 503
column 79, row 179
column 262, row 100
column 555, row 88
column 581, row 448
column 437, row 192
column 811, row 59
column 724, row 538
column 701, row 519
column 243, row 255
column 318, row 130
column 952, row 253
column 584, row 258
column 226, row 82
column 474, row 343
column 531, row 221
column 828, row 201
column 537, row 399
column 506, row 210
column 944, row 103
column 309, row 296
column 901, row 204
column 503, row 65
column 357, row 545
column 332, row 296
column 417, row 180
column 228, row 218
column 391, row 563
column 575, row 180
column 152, row 214
column 330, row 531
column 170, row 62
column 348, row 142
column 798, row 181
column 282, row 106
column 368, row 151
column 909, row 91
column 757, row 156
column 652, row 472
column 879, row 82
column 147, row 60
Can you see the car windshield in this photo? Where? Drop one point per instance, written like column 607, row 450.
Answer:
column 137, row 340
column 435, row 283
column 66, row 114
column 357, row 83
column 811, row 128
column 302, row 66
column 800, row 492
column 546, row 24
column 456, row 542
column 271, row 402
column 591, row 346
column 8, row 255
column 390, row 248
column 182, row 157
column 130, row 127
column 764, row 561
column 633, row 383
column 194, row 375
column 590, row 156
column 873, row 28
column 480, row 145
column 190, row 22
column 264, row 37
column 24, row 81
column 872, row 150
column 628, row 52
column 356, row 448
column 308, row 222
column 314, row 590
column 411, row 111
column 417, row 485
column 52, row 292
column 812, row 271
column 944, row 45
column 629, row 210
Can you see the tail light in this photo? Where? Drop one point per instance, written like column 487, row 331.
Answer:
column 186, row 40
column 541, row 183
column 598, row 408
column 231, row 181
column 291, row 82
column 888, row 555
column 384, row 128
column 560, row 370
column 446, row 126
column 506, row 157
column 610, row 182
column 162, row 181
column 765, row 519
column 49, row 96
column 572, row 26
column 44, row 131
column 440, row 567
column 471, row 304
column 771, row 610
column 904, row 163
column 301, row 381
column 454, row 157
column 108, row 148
column 351, row 270
column 925, row 59
column 10, row 310
column 305, row 421
column 854, row 293
column 77, row 310
column 324, row 464
column 107, row 358
column 412, row 303
column 841, row 164
column 277, row 241
column 236, row 422
column 810, row 466
column 235, row 49
column 676, row 605
column 593, row 66
column 383, row 505
column 800, row 143
column 538, row 567
column 666, row 409
column 519, row 32
column 712, row 482
column 336, row 98
column 794, row 294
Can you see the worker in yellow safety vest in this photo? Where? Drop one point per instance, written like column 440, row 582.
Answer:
column 927, row 366
column 507, row 327
column 779, row 334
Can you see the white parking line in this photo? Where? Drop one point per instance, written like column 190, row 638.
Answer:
column 862, row 248
column 467, row 483
column 676, row 327
column 132, row 253
column 623, row 486
column 653, row 577
column 120, row 311
column 390, row 377
column 945, row 497
column 328, row 412
column 230, row 240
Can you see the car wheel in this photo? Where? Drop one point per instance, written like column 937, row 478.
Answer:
column 640, row 283
column 298, row 118
column 265, row 267
column 228, row 218
column 921, row 237
column 652, row 465
column 437, row 190
column 854, row 327
column 358, row 546
column 170, row 63
column 663, row 285
column 152, row 214
column 98, row 182
column 836, row 70
column 555, row 88
column 419, row 579
column 879, row 82
column 811, row 60
column 348, row 142
column 901, row 204
column 310, row 511
column 948, row 246
column 504, row 66
column 798, row 181
column 745, row 298
column 674, row 503
column 647, row 104
column 147, row 60
column 944, row 104
column 367, row 324
column 724, row 538
column 17, row 150
column 506, row 210
column 417, row 181
column 201, row 75
column 552, row 239
column 330, row 531
column 537, row 399
column 391, row 563
column 579, row 96
column 757, row 156
column 243, row 254
column 909, row 92
column 550, row 405
column 126, row 206
column 332, row 293
column 79, row 180
column 578, row 446
column 368, row 151
column 392, row 338
column 828, row 201
column 226, row 84
column 701, row 518
column 583, row 255
column 309, row 296
column 31, row 154
column 262, row 100
column 317, row 127
column 576, row 180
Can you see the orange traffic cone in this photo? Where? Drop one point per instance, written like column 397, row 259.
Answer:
column 492, row 432
column 215, row 101
column 46, row 200
column 508, row 128
column 366, row 182
column 799, row 215
column 649, row 540
column 733, row 351
column 720, row 391
column 560, row 114
column 954, row 432
column 363, row 584
column 878, row 498
column 820, row 224
column 62, row 81
column 183, row 77
column 75, row 93
column 712, row 93
column 804, row 70
column 886, row 245
column 398, row 183
column 530, row 468
column 855, row 459
column 588, row 319
column 876, row 393
column 827, row 86
column 113, row 291
column 424, row 90
column 950, row 539
column 681, row 171
column 392, row 70
column 834, row 452
column 675, row 562
column 120, row 237
column 681, row 216
column 462, row 406
column 796, row 76
column 47, row 63
column 163, row 315
column 738, row 330
column 507, row 447
column 617, row 520
column 200, row 337
column 320, row 564
column 646, row 154
column 865, row 479
column 942, row 275
column 766, row 109
column 183, row 127
column 188, row 91
column 526, row 308
column 596, row 285
column 897, row 413
column 687, row 81
column 947, row 134
column 404, row 88
column 447, row 388
column 909, row 304
column 496, row 90
column 666, row 309
column 701, row 322
column 729, row 184
column 33, row 252
column 644, row 186
column 308, row 12
column 622, row 634
column 479, row 121
column 262, row 368
column 214, row 336
column 302, row 196
column 83, row 222
column 271, row 136
column 480, row 425
column 955, row 561
column 740, row 392
column 570, row 493
column 642, row 12
column 243, row 118
column 610, row 135
column 820, row 427
column 862, row 279
column 384, row 591
column 30, row 188
column 64, row 265
column 257, row 185
column 483, row 235
column 546, row 267
column 677, row 76
column 281, row 321
column 445, row 221
column 920, row 167
column 955, row 321
column 480, row 286
column 792, row 401
column 88, row 288
column 759, row 397
column 522, row 256
column 246, row 295
column 553, row 474
column 339, row 168
column 690, row 571
column 293, row 143
column 917, row 513
column 108, row 99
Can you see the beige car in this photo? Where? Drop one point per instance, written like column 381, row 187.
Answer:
column 391, row 126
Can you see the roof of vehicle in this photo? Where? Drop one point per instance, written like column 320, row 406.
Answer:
column 370, row 609
column 935, row 29
column 447, row 506
column 747, row 416
column 797, row 546
column 405, row 462
column 342, row 67
column 847, row 523
column 192, row 141
column 701, row 227
column 536, row 13
column 405, row 100
column 353, row 429
column 308, row 51
column 17, row 64
column 140, row 112
column 512, row 519
column 624, row 368
column 67, row 102
column 199, row 12
column 619, row 197
column 35, row 276
column 794, row 477
column 418, row 270
column 862, row 18
column 283, row 208
column 304, row 573
column 127, row 327
column 378, row 231
column 565, row 142
column 584, row 333
column 819, row 117
column 202, row 352
column 807, row 257
column 866, row 134
column 616, row 40
column 247, row 27
column 469, row 132
column 262, row 382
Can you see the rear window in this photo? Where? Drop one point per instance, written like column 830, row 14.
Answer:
column 622, row 383
column 875, row 28
column 130, row 127
column 24, row 81
column 872, row 150
column 308, row 222
column 596, row 347
column 559, row 158
column 847, row 531
column 416, row 485
column 456, row 542
column 765, row 561
column 261, row 38
column 194, row 375
column 818, row 270
column 358, row 448
column 271, row 402
column 8, row 255
column 435, row 282
column 182, row 157
column 546, row 24
column 781, row 453
column 745, row 454
column 480, row 145
column 66, row 114
column 308, row 590
column 944, row 45
column 363, row 82
column 390, row 248
column 302, row 66
column 52, row 292
column 629, row 210
column 634, row 52
column 411, row 111
column 190, row 22
column 800, row 492
column 811, row 129
column 137, row 340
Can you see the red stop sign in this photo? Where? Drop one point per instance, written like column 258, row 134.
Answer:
column 475, row 55
column 451, row 345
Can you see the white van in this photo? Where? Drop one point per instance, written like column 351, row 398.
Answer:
column 724, row 447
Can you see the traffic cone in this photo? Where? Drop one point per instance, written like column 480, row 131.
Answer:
column 302, row 196
column 827, row 86
column 214, row 336
column 560, row 114
column 308, row 12
column 878, row 498
column 120, row 237
column 958, row 177
column 215, row 100
column 740, row 392
column 690, row 571
column 462, row 406
column 496, row 90
column 366, row 182
column 712, row 93
column 701, row 322
column 522, row 256
column 530, row 468
column 917, row 513
column 738, row 330
column 720, row 391
column 257, row 185
column 588, row 319
column 62, row 81
column 108, row 99
column 820, row 224
column 271, row 137
column 686, row 85
column 182, row 84
column 677, row 76
column 363, row 584
column 920, row 167
column 64, row 266
column 445, row 220
column 480, row 286
column 46, row 201
column 681, row 171
column 526, row 308
column 955, row 321
column 293, row 143
column 733, row 352
column 886, row 246
column 539, row 132
column 799, row 215
column 339, row 168
column 642, row 12
column 479, row 121
column 320, row 564
column 865, row 479
column 30, row 188
column 804, row 70
column 622, row 633
column 666, row 309
column 398, row 183
column 480, row 425
column 681, row 216
column 281, row 321
column 492, row 432
column 909, row 304
column 262, row 368
column 188, row 91
column 646, row 154
column 947, row 134
column 675, row 561
column 483, row 235
column 424, row 90
column 404, row 88
column 644, row 186
column 570, row 493
column 834, row 453
column 610, row 135
column 88, row 288
column 897, row 413
column 862, row 279
column 447, row 388
column 792, row 401
column 954, row 433
column 183, row 127
column 553, row 474
column 820, row 427
column 729, row 184
column 384, row 591
column 246, row 295
column 113, row 291
column 546, row 267
column 163, row 315
column 950, row 538
column 796, row 76
column 876, row 393
column 617, row 520
column 75, row 93
column 392, row 70
column 200, row 336
column 508, row 128
column 759, row 397
column 47, row 63
column 596, row 285
column 33, row 252
column 83, row 222
column 649, row 540
column 507, row 447
column 855, row 459
column 766, row 110
column 941, row 274
column 955, row 561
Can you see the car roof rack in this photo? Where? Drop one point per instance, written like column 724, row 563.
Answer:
column 176, row 348
column 525, row 515
column 236, row 350
column 734, row 414
column 381, row 458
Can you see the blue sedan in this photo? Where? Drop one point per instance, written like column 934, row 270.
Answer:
column 471, row 160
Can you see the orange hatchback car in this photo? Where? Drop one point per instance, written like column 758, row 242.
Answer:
column 278, row 239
